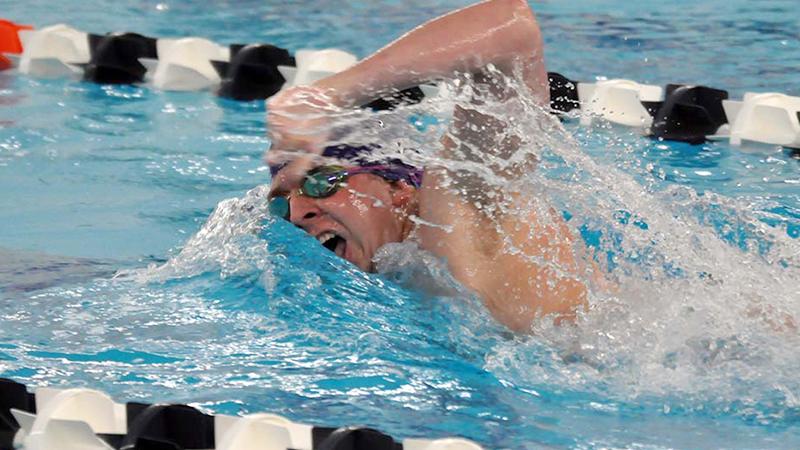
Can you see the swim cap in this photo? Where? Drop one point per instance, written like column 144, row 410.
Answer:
column 391, row 169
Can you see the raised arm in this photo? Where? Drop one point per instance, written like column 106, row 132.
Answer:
column 494, row 31
column 498, row 32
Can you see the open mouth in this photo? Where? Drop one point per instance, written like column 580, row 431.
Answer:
column 333, row 242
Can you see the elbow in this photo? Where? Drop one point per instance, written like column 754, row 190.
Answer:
column 511, row 4
column 520, row 9
column 530, row 35
column 521, row 34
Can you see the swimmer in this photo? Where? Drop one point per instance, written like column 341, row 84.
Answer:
column 356, row 207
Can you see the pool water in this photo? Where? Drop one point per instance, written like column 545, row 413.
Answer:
column 136, row 256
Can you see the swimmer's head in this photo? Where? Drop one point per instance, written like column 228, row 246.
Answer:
column 353, row 206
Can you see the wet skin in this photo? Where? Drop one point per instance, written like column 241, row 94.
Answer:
column 365, row 214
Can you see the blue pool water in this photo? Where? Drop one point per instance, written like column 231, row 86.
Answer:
column 216, row 306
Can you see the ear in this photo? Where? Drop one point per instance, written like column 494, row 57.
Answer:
column 403, row 194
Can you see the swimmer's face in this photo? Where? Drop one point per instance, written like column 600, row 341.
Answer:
column 366, row 213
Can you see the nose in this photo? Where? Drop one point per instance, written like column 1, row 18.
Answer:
column 303, row 210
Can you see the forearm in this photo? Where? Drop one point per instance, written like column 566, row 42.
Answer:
column 495, row 31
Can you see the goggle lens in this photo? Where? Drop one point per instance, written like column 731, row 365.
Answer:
column 320, row 182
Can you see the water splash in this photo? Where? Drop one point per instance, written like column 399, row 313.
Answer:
column 697, row 310
column 700, row 305
column 228, row 242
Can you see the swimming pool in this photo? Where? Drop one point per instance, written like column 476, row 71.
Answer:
column 97, row 179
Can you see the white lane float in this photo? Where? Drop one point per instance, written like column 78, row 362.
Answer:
column 185, row 64
column 314, row 65
column 618, row 101
column 769, row 118
column 53, row 51
column 69, row 419
column 261, row 432
column 440, row 444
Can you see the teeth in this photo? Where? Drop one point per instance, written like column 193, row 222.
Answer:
column 325, row 237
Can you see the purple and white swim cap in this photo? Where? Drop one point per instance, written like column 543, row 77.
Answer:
column 391, row 169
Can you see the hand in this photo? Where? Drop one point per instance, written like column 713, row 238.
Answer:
column 299, row 120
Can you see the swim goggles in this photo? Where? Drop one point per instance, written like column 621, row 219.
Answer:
column 322, row 182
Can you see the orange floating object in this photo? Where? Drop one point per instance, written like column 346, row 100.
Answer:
column 9, row 40
column 9, row 37
column 5, row 63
